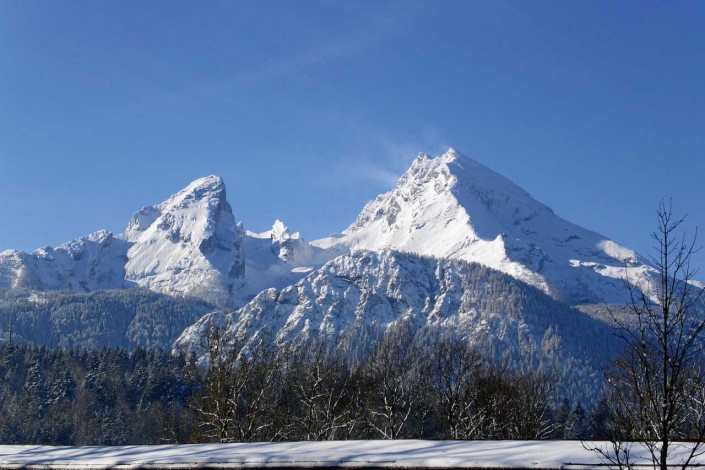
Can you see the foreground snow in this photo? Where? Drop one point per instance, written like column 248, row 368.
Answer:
column 408, row 453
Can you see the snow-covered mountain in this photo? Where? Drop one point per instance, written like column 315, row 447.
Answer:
column 453, row 247
column 276, row 258
column 453, row 207
column 189, row 245
column 448, row 207
column 89, row 263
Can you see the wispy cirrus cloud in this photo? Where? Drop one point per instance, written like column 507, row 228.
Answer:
column 396, row 153
column 386, row 157
column 377, row 27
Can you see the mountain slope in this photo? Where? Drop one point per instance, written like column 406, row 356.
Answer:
column 105, row 318
column 453, row 207
column 276, row 259
column 355, row 298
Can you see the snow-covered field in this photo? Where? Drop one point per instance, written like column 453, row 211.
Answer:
column 400, row 454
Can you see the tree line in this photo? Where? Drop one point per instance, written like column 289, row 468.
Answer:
column 254, row 391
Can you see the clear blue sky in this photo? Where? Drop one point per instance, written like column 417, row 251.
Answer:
column 309, row 109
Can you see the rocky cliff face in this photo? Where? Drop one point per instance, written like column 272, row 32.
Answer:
column 352, row 300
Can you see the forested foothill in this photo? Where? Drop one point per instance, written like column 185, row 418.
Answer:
column 403, row 389
column 126, row 318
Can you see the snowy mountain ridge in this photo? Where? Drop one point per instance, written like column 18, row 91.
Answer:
column 190, row 244
column 88, row 263
column 447, row 207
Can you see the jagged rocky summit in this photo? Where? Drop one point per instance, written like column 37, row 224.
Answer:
column 188, row 245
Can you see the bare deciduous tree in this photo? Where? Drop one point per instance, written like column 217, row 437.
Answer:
column 656, row 385
column 452, row 373
column 256, row 383
column 532, row 413
column 237, row 401
column 394, row 382
column 213, row 405
column 325, row 391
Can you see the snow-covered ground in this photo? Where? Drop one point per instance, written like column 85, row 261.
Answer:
column 400, row 454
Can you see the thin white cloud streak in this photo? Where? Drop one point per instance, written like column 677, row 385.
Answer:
column 377, row 29
column 396, row 156
column 376, row 173
column 387, row 157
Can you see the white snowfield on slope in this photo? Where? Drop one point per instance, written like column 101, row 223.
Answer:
column 448, row 207
column 374, row 453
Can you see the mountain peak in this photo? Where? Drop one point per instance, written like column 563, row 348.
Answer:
column 450, row 155
column 209, row 187
column 189, row 244
column 433, row 186
column 472, row 185
column 206, row 184
column 280, row 231
column 451, row 206
column 452, row 151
